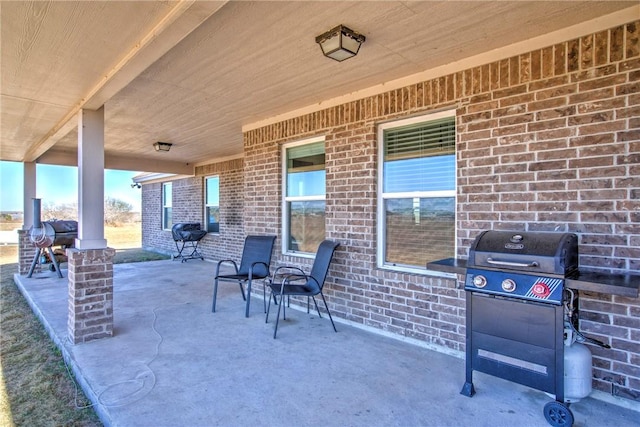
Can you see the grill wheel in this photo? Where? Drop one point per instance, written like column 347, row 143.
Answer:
column 558, row 415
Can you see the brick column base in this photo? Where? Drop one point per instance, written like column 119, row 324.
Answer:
column 90, row 294
column 26, row 252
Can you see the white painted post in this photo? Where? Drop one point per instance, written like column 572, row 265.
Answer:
column 29, row 193
column 90, row 262
column 26, row 249
column 91, row 180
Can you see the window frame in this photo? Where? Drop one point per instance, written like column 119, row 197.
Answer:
column 207, row 206
column 163, row 200
column 381, row 197
column 286, row 199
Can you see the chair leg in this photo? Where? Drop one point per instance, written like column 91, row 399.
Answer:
column 266, row 318
column 246, row 313
column 215, row 293
column 242, row 290
column 328, row 312
column 317, row 309
column 264, row 295
column 275, row 332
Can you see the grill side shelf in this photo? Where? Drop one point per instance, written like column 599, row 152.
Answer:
column 625, row 285
column 449, row 265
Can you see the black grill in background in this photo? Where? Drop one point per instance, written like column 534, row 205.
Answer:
column 186, row 236
column 66, row 232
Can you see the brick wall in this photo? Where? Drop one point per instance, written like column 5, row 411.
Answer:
column 547, row 140
column 90, row 302
column 188, row 206
column 228, row 243
column 26, row 252
column 153, row 237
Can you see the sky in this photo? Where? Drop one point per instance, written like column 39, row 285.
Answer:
column 59, row 185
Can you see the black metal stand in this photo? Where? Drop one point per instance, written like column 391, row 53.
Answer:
column 36, row 258
column 188, row 244
column 498, row 345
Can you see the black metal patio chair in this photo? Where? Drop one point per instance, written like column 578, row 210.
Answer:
column 254, row 264
column 290, row 281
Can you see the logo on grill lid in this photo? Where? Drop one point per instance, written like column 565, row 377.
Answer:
column 516, row 240
column 514, row 246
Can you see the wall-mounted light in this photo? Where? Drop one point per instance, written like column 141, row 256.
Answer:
column 340, row 43
column 136, row 185
column 162, row 146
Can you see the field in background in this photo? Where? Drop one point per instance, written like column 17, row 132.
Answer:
column 127, row 236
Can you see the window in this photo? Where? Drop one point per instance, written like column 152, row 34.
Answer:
column 167, row 198
column 212, row 204
column 304, row 196
column 416, row 202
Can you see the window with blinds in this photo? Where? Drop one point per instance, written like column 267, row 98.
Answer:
column 417, row 197
column 304, row 196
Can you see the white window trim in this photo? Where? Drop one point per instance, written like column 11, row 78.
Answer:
column 285, row 199
column 205, row 221
column 381, row 231
column 163, row 219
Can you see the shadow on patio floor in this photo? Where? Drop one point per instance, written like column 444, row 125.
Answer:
column 172, row 362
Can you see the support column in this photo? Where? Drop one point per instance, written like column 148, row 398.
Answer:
column 91, row 180
column 26, row 249
column 90, row 294
column 90, row 262
column 29, row 193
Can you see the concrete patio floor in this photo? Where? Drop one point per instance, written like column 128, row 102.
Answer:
column 171, row 362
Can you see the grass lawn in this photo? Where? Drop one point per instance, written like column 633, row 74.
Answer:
column 36, row 389
column 35, row 386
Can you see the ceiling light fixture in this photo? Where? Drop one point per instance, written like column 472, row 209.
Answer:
column 162, row 146
column 340, row 43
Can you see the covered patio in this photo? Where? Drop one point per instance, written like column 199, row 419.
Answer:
column 172, row 362
column 543, row 100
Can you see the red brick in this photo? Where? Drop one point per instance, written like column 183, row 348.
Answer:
column 546, row 141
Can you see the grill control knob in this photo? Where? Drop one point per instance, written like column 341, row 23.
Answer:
column 541, row 290
column 508, row 285
column 479, row 281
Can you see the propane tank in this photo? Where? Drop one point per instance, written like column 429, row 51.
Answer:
column 577, row 368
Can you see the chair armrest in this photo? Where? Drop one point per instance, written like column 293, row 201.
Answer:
column 254, row 265
column 235, row 266
column 299, row 271
column 291, row 274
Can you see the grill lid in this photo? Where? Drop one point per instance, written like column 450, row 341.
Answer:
column 535, row 252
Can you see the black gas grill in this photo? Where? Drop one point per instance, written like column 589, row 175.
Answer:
column 515, row 285
column 529, row 266
column 522, row 313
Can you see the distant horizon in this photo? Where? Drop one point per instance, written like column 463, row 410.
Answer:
column 58, row 185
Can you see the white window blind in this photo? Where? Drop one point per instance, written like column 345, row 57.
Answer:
column 417, row 201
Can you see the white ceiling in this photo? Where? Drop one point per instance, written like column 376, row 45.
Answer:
column 194, row 73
